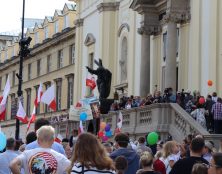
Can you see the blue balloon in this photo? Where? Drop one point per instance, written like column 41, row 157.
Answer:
column 83, row 116
column 109, row 133
column 2, row 141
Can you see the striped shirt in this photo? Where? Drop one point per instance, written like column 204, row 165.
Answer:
column 79, row 169
column 217, row 111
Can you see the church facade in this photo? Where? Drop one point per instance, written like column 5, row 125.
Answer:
column 150, row 44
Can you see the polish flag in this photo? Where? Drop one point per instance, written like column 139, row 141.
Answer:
column 81, row 130
column 48, row 97
column 91, row 83
column 3, row 100
column 59, row 138
column 32, row 119
column 21, row 115
column 120, row 120
column 39, row 95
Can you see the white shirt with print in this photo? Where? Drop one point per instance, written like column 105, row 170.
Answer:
column 43, row 160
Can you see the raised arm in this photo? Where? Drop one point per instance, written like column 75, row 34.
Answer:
column 92, row 71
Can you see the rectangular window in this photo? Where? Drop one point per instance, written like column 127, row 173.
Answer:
column 164, row 45
column 13, row 106
column 6, row 78
column 72, row 54
column 36, row 37
column 36, row 92
column 0, row 83
column 46, row 31
column 66, row 21
column 58, row 94
column 70, row 91
column 6, row 54
column 56, row 26
column 39, row 67
column 48, row 63
column 28, row 101
column 60, row 59
column 47, row 109
column 13, row 78
column 29, row 71
column 178, row 33
column 13, row 51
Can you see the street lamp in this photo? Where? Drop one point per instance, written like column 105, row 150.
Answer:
column 24, row 51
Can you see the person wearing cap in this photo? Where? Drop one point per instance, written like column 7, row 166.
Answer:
column 208, row 149
column 121, row 143
column 7, row 156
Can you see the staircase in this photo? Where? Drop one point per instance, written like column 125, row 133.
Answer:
column 166, row 119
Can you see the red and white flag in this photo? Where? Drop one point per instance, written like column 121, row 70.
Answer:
column 59, row 138
column 4, row 100
column 48, row 97
column 91, row 83
column 32, row 119
column 120, row 120
column 21, row 115
column 39, row 95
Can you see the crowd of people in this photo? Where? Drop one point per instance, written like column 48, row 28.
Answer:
column 208, row 114
column 87, row 154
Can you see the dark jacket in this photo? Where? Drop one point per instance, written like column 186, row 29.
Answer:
column 131, row 156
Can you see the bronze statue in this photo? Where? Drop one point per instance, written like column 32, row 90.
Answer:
column 104, row 78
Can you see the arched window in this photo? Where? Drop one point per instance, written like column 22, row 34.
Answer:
column 123, row 60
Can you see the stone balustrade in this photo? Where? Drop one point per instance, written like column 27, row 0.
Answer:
column 166, row 119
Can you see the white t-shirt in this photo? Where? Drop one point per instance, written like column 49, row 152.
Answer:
column 167, row 160
column 77, row 169
column 43, row 160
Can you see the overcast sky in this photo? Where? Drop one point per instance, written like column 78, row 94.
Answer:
column 11, row 11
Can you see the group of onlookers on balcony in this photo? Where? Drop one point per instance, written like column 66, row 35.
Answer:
column 90, row 155
column 207, row 113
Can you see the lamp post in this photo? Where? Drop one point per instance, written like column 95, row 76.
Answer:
column 24, row 51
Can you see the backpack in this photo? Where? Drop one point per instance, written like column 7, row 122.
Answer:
column 201, row 118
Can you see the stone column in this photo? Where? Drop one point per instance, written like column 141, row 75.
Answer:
column 145, row 62
column 170, row 70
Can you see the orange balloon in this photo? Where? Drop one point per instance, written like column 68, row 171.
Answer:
column 210, row 83
column 102, row 125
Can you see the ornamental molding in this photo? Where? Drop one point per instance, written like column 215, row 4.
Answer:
column 149, row 30
column 108, row 6
column 90, row 39
column 176, row 17
column 78, row 22
column 124, row 25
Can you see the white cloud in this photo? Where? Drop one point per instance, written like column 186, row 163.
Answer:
column 11, row 11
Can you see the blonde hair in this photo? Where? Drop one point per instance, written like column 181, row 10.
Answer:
column 199, row 168
column 146, row 159
column 46, row 133
column 168, row 148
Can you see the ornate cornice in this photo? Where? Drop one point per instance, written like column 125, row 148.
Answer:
column 108, row 6
column 78, row 22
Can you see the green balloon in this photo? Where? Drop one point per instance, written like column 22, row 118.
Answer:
column 152, row 138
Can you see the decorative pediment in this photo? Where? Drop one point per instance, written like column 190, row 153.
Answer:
column 124, row 25
column 90, row 39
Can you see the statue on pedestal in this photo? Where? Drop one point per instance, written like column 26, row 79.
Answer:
column 104, row 78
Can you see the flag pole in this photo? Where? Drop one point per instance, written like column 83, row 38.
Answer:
column 19, row 76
